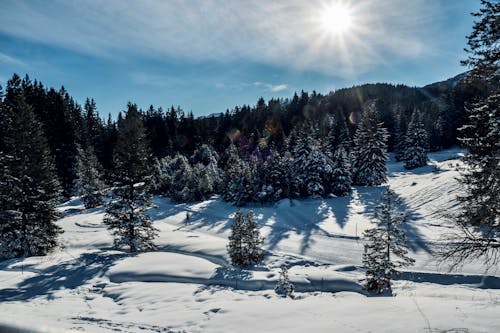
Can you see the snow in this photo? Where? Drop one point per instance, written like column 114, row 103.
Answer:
column 188, row 284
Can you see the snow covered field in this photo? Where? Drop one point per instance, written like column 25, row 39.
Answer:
column 188, row 284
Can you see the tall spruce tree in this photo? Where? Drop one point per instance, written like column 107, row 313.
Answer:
column 89, row 184
column 245, row 242
column 126, row 213
column 29, row 188
column 312, row 169
column 369, row 154
column 386, row 247
column 341, row 176
column 416, row 144
column 478, row 219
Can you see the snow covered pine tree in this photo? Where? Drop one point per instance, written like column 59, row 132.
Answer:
column 416, row 144
column 126, row 215
column 88, row 183
column 341, row 176
column 245, row 243
column 384, row 242
column 369, row 154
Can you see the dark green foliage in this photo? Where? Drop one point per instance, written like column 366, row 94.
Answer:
column 28, row 185
column 126, row 213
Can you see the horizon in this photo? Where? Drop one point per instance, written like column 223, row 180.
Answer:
column 174, row 54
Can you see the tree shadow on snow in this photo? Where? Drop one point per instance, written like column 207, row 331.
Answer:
column 67, row 275
column 211, row 214
column 304, row 218
column 371, row 197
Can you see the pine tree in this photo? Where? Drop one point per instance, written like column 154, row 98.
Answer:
column 182, row 187
column 311, row 167
column 341, row 176
column 385, row 242
column 369, row 154
column 245, row 242
column 126, row 213
column 478, row 219
column 398, row 134
column 416, row 144
column 284, row 287
column 274, row 175
column 239, row 181
column 29, row 188
column 89, row 184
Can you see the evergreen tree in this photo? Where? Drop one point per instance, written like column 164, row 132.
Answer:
column 284, row 287
column 238, row 183
column 202, row 182
column 416, row 144
column 93, row 126
column 126, row 213
column 182, row 187
column 399, row 140
column 28, row 187
column 478, row 219
column 211, row 177
column 89, row 184
column 311, row 167
column 369, row 154
column 245, row 242
column 275, row 178
column 341, row 176
column 385, row 242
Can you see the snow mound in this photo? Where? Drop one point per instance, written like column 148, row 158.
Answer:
column 161, row 267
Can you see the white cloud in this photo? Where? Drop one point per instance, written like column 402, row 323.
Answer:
column 279, row 87
column 286, row 33
column 6, row 59
column 269, row 87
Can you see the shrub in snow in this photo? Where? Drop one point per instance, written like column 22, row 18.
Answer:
column 284, row 287
column 245, row 242
column 386, row 247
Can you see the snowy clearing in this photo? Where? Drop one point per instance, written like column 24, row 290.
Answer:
column 188, row 284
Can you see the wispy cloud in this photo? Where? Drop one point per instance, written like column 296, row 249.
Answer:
column 7, row 59
column 270, row 87
column 285, row 33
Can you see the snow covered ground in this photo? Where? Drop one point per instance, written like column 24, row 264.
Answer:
column 188, row 285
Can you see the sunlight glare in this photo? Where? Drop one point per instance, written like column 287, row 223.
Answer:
column 336, row 18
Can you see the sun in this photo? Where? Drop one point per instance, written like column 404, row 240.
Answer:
column 336, row 18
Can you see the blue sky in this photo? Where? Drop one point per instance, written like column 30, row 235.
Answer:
column 209, row 55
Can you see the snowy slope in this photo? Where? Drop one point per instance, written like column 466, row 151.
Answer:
column 188, row 285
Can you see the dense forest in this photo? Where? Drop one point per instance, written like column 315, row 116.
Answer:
column 257, row 132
